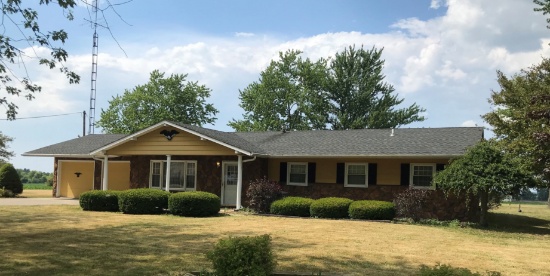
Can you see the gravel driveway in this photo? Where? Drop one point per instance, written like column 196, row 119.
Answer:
column 37, row 201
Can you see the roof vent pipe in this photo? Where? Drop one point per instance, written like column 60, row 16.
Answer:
column 392, row 132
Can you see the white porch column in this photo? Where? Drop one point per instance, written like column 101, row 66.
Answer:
column 167, row 178
column 239, row 181
column 105, row 181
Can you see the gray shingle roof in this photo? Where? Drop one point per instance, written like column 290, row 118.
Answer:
column 451, row 141
column 367, row 142
column 79, row 146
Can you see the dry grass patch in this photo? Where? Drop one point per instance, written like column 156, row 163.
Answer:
column 64, row 240
column 36, row 193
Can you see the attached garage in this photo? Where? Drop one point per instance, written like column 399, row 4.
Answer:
column 119, row 175
column 75, row 177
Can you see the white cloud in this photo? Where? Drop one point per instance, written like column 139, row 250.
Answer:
column 435, row 4
column 243, row 34
column 469, row 123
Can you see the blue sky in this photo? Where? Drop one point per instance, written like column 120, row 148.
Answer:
column 443, row 55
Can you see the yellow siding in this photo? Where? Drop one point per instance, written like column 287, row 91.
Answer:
column 154, row 143
column 119, row 176
column 388, row 170
column 71, row 185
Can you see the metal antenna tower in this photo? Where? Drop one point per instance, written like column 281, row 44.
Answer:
column 91, row 114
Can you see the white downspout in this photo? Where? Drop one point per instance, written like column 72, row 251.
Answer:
column 105, row 182
column 168, row 162
column 239, row 181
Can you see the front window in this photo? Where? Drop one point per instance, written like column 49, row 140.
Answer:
column 182, row 175
column 422, row 176
column 356, row 175
column 297, row 174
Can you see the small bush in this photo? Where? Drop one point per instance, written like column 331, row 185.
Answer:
column 292, row 206
column 263, row 192
column 6, row 193
column 143, row 201
column 99, row 201
column 9, row 179
column 411, row 203
column 372, row 209
column 330, row 207
column 194, row 204
column 447, row 270
column 243, row 256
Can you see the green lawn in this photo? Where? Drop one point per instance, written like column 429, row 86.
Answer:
column 36, row 186
column 63, row 240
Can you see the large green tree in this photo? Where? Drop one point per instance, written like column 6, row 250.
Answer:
column 521, row 116
column 288, row 96
column 170, row 98
column 486, row 172
column 344, row 92
column 21, row 29
column 358, row 95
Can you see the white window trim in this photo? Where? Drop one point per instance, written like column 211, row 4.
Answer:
column 432, row 187
column 366, row 176
column 163, row 175
column 289, row 164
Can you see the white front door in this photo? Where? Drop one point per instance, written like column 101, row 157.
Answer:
column 229, row 183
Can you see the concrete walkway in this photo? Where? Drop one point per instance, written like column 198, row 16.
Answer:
column 38, row 201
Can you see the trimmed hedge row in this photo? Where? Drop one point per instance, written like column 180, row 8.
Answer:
column 151, row 201
column 194, row 204
column 334, row 207
column 99, row 201
column 330, row 207
column 143, row 201
column 372, row 209
column 292, row 206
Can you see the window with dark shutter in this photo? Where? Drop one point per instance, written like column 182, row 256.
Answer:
column 340, row 173
column 282, row 173
column 405, row 174
column 311, row 171
column 373, row 173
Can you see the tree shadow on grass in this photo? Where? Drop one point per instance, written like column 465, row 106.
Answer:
column 511, row 223
column 359, row 264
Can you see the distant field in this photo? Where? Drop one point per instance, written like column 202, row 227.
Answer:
column 36, row 186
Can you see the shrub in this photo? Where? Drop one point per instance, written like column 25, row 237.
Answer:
column 292, row 206
column 243, row 256
column 49, row 180
column 411, row 203
column 9, row 179
column 262, row 192
column 99, row 201
column 372, row 209
column 6, row 193
column 330, row 207
column 194, row 204
column 143, row 201
column 447, row 270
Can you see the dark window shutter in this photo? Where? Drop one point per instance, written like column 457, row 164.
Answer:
column 340, row 172
column 311, row 172
column 372, row 173
column 282, row 172
column 439, row 167
column 405, row 173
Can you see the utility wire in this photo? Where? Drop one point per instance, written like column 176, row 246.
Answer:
column 38, row 117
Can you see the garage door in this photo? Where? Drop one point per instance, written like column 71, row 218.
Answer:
column 76, row 177
column 119, row 176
